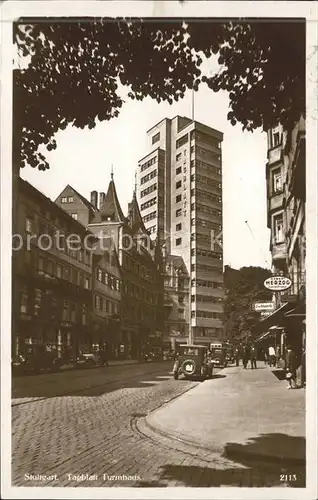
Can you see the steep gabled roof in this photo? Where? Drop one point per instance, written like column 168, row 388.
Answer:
column 110, row 209
column 134, row 217
column 87, row 203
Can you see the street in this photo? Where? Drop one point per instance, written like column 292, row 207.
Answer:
column 87, row 428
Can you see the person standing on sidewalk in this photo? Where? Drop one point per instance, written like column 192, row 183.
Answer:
column 237, row 356
column 245, row 356
column 271, row 356
column 291, row 368
column 253, row 357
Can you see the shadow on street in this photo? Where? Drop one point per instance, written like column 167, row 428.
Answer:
column 248, row 469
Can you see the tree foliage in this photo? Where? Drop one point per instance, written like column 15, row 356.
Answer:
column 74, row 69
column 243, row 287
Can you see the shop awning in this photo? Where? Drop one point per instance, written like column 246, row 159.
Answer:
column 275, row 318
column 297, row 312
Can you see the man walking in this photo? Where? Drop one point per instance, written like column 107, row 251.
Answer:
column 271, row 356
column 291, row 368
column 253, row 357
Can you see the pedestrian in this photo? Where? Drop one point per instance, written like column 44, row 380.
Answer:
column 237, row 356
column 271, row 356
column 277, row 356
column 245, row 356
column 253, row 356
column 290, row 367
column 265, row 357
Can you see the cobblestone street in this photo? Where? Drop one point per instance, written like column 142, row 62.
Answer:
column 97, row 431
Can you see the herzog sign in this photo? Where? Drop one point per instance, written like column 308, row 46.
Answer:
column 277, row 283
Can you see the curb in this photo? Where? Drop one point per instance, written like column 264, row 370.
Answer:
column 233, row 455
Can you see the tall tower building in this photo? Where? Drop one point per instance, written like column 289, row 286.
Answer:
column 179, row 188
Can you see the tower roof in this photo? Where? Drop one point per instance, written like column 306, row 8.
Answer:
column 110, row 209
column 134, row 216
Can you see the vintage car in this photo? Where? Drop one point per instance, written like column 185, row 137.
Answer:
column 192, row 361
column 36, row 358
column 218, row 355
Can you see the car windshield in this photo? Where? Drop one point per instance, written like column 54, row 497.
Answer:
column 191, row 351
column 217, row 351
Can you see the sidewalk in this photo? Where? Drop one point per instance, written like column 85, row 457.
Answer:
column 239, row 413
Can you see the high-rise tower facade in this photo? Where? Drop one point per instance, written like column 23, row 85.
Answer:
column 179, row 188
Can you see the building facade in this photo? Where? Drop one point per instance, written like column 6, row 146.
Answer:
column 136, row 271
column 180, row 190
column 52, row 279
column 286, row 202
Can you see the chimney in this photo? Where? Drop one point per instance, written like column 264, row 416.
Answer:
column 94, row 198
column 102, row 197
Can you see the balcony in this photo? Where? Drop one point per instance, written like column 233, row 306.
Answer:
column 279, row 251
column 275, row 155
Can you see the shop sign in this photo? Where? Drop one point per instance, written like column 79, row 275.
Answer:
column 264, row 314
column 277, row 283
column 264, row 306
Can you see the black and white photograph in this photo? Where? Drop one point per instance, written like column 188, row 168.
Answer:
column 159, row 249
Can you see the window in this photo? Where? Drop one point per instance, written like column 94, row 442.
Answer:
column 59, row 270
column 178, row 241
column 149, row 203
column 183, row 140
column 97, row 302
column 277, row 181
column 178, row 185
column 84, row 314
column 99, row 274
column 64, row 199
column 156, row 138
column 28, row 225
column 179, row 170
column 178, row 227
column 86, row 283
column 24, row 300
column 275, row 139
column 178, row 212
column 148, row 190
column 181, row 313
column 178, row 157
column 178, row 198
column 278, row 228
column 74, row 216
column 148, row 164
column 70, row 199
column 150, row 216
column 148, row 177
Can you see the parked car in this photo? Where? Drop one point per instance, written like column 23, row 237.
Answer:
column 88, row 360
column 193, row 361
column 218, row 355
column 36, row 358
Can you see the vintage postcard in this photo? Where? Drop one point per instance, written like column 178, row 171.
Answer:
column 159, row 249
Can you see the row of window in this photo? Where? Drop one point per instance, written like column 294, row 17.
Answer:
column 134, row 266
column 207, row 269
column 205, row 195
column 206, row 253
column 205, row 166
column 139, row 292
column 37, row 302
column 206, row 284
column 67, row 199
column 205, row 223
column 108, row 279
column 149, row 189
column 209, row 155
column 152, row 229
column 179, row 155
column 206, row 299
column 206, row 209
column 148, row 177
column 136, row 312
column 148, row 164
column 205, row 138
column 149, row 203
column 206, row 314
column 150, row 216
column 103, row 304
column 206, row 180
column 52, row 268
column 49, row 238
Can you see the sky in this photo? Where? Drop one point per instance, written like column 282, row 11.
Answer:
column 83, row 159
